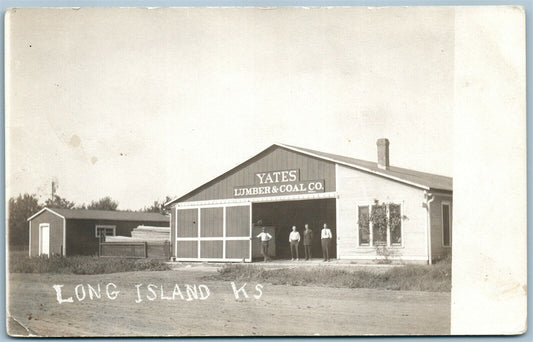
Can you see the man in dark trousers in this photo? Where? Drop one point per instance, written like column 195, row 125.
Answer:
column 265, row 238
column 325, row 237
column 308, row 241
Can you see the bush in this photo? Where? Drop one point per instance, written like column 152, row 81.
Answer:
column 436, row 278
column 82, row 265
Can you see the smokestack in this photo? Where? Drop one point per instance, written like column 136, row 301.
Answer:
column 383, row 153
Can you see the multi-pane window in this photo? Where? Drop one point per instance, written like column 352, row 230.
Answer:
column 104, row 231
column 446, row 225
column 380, row 224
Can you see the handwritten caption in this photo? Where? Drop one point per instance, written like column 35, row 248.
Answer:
column 150, row 292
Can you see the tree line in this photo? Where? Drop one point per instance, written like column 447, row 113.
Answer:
column 21, row 207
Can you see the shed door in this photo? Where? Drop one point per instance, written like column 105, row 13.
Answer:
column 44, row 239
column 214, row 233
column 238, row 232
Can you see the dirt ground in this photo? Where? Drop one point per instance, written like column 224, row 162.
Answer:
column 33, row 307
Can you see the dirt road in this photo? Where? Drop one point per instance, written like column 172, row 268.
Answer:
column 268, row 310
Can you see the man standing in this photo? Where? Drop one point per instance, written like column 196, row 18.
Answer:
column 308, row 241
column 325, row 236
column 265, row 238
column 294, row 241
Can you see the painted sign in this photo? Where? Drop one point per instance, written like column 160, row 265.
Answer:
column 277, row 189
column 283, row 176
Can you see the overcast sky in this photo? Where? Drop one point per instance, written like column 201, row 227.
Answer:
column 137, row 104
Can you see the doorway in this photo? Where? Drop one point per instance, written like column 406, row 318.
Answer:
column 44, row 239
column 283, row 215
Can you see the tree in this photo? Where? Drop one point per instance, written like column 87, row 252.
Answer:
column 105, row 203
column 59, row 202
column 20, row 209
column 158, row 207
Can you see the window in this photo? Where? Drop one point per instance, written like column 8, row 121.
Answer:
column 395, row 223
column 446, row 225
column 380, row 224
column 106, row 230
column 364, row 226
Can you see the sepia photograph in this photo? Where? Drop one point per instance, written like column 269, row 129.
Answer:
column 236, row 171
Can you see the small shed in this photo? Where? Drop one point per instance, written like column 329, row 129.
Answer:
column 77, row 231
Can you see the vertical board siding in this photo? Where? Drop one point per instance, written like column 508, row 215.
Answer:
column 81, row 237
column 211, row 249
column 124, row 250
column 212, row 224
column 273, row 160
column 187, row 249
column 187, row 223
column 56, row 233
column 238, row 221
column 237, row 249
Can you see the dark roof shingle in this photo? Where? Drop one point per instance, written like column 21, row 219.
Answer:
column 429, row 180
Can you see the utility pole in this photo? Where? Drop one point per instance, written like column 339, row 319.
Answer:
column 54, row 188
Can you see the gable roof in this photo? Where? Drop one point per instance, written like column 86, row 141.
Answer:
column 422, row 180
column 84, row 214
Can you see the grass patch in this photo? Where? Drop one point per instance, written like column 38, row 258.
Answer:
column 434, row 278
column 82, row 265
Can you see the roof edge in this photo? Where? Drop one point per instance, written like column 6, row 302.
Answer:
column 333, row 160
column 221, row 175
column 425, row 187
column 41, row 211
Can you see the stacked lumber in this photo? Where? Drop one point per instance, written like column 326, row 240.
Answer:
column 149, row 233
column 120, row 239
column 143, row 233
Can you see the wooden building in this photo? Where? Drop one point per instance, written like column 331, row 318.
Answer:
column 77, row 231
column 285, row 185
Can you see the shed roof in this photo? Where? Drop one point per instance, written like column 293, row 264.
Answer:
column 84, row 214
column 423, row 180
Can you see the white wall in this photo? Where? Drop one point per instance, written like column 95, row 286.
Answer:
column 356, row 187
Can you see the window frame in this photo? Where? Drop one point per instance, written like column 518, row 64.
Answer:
column 370, row 226
column 105, row 226
column 442, row 204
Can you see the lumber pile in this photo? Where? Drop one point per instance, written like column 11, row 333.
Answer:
column 143, row 233
column 149, row 233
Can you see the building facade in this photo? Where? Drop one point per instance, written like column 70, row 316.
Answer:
column 375, row 211
column 77, row 232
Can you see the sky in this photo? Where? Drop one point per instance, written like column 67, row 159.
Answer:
column 138, row 104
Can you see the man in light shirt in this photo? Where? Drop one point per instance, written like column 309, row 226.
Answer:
column 265, row 238
column 294, row 241
column 325, row 237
